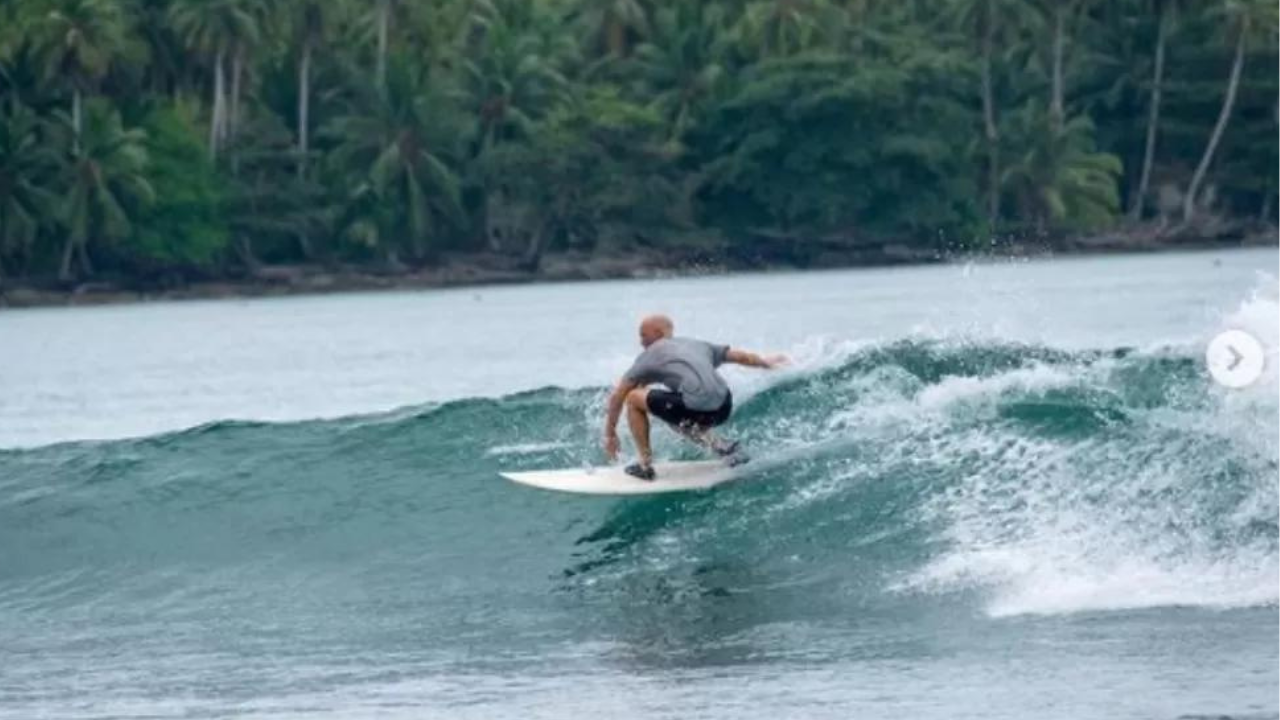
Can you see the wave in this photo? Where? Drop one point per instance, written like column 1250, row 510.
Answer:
column 1022, row 478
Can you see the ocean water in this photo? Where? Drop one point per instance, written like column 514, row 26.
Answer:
column 996, row 490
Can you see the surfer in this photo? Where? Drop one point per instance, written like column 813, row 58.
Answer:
column 694, row 398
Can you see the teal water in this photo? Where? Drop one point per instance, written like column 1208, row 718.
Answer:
column 1010, row 504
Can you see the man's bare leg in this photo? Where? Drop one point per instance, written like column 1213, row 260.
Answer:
column 638, row 421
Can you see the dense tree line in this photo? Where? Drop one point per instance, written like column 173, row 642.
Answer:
column 180, row 138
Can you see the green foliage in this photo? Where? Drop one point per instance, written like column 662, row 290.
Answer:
column 778, row 28
column 275, row 215
column 399, row 149
column 219, row 135
column 29, row 168
column 594, row 173
column 681, row 67
column 108, row 186
column 213, row 26
column 820, row 143
column 78, row 40
column 1061, row 178
column 612, row 25
column 511, row 75
column 186, row 225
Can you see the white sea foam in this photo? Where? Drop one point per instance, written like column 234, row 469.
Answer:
column 953, row 390
column 532, row 448
column 1177, row 508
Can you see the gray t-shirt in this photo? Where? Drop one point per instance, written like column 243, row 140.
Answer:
column 686, row 366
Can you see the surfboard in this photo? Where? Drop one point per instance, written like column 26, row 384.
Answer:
column 612, row 480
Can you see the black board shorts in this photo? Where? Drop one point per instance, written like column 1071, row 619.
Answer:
column 669, row 406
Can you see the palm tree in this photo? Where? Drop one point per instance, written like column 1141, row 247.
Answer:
column 77, row 41
column 107, row 181
column 28, row 170
column 1164, row 10
column 258, row 15
column 510, row 80
column 614, row 24
column 1244, row 21
column 1062, row 10
column 1062, row 178
column 12, row 16
column 777, row 28
column 221, row 30
column 513, row 75
column 269, row 204
column 402, row 146
column 383, row 12
column 310, row 24
column 681, row 64
column 994, row 23
column 167, row 66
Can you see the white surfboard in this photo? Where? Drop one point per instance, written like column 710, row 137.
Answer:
column 612, row 480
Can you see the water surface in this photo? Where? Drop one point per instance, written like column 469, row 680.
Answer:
column 994, row 490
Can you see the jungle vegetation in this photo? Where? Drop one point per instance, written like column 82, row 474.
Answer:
column 188, row 139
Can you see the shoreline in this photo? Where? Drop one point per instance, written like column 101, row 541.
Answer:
column 482, row 269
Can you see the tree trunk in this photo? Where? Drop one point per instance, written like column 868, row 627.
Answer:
column 82, row 254
column 24, row 266
column 244, row 248
column 77, row 118
column 1153, row 117
column 533, row 254
column 304, row 245
column 617, row 37
column 64, row 267
column 215, row 124
column 989, row 118
column 384, row 19
column 304, row 105
column 1189, row 201
column 1056, row 112
column 237, row 70
column 489, row 237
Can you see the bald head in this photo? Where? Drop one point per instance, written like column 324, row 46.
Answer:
column 654, row 328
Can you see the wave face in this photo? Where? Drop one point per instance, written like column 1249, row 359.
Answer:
column 1021, row 479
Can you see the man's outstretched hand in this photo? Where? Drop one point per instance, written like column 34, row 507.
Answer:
column 750, row 359
column 776, row 361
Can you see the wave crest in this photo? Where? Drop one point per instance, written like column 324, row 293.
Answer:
column 1042, row 480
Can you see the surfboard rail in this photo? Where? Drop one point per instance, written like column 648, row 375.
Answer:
column 612, row 480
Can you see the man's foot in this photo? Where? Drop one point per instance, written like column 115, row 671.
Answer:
column 644, row 472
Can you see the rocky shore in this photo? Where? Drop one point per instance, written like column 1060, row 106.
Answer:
column 772, row 254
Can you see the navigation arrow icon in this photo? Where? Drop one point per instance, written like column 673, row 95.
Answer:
column 1235, row 359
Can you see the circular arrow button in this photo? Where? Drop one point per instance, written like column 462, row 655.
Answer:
column 1235, row 359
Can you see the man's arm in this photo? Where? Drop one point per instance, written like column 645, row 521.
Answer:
column 750, row 359
column 616, row 400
